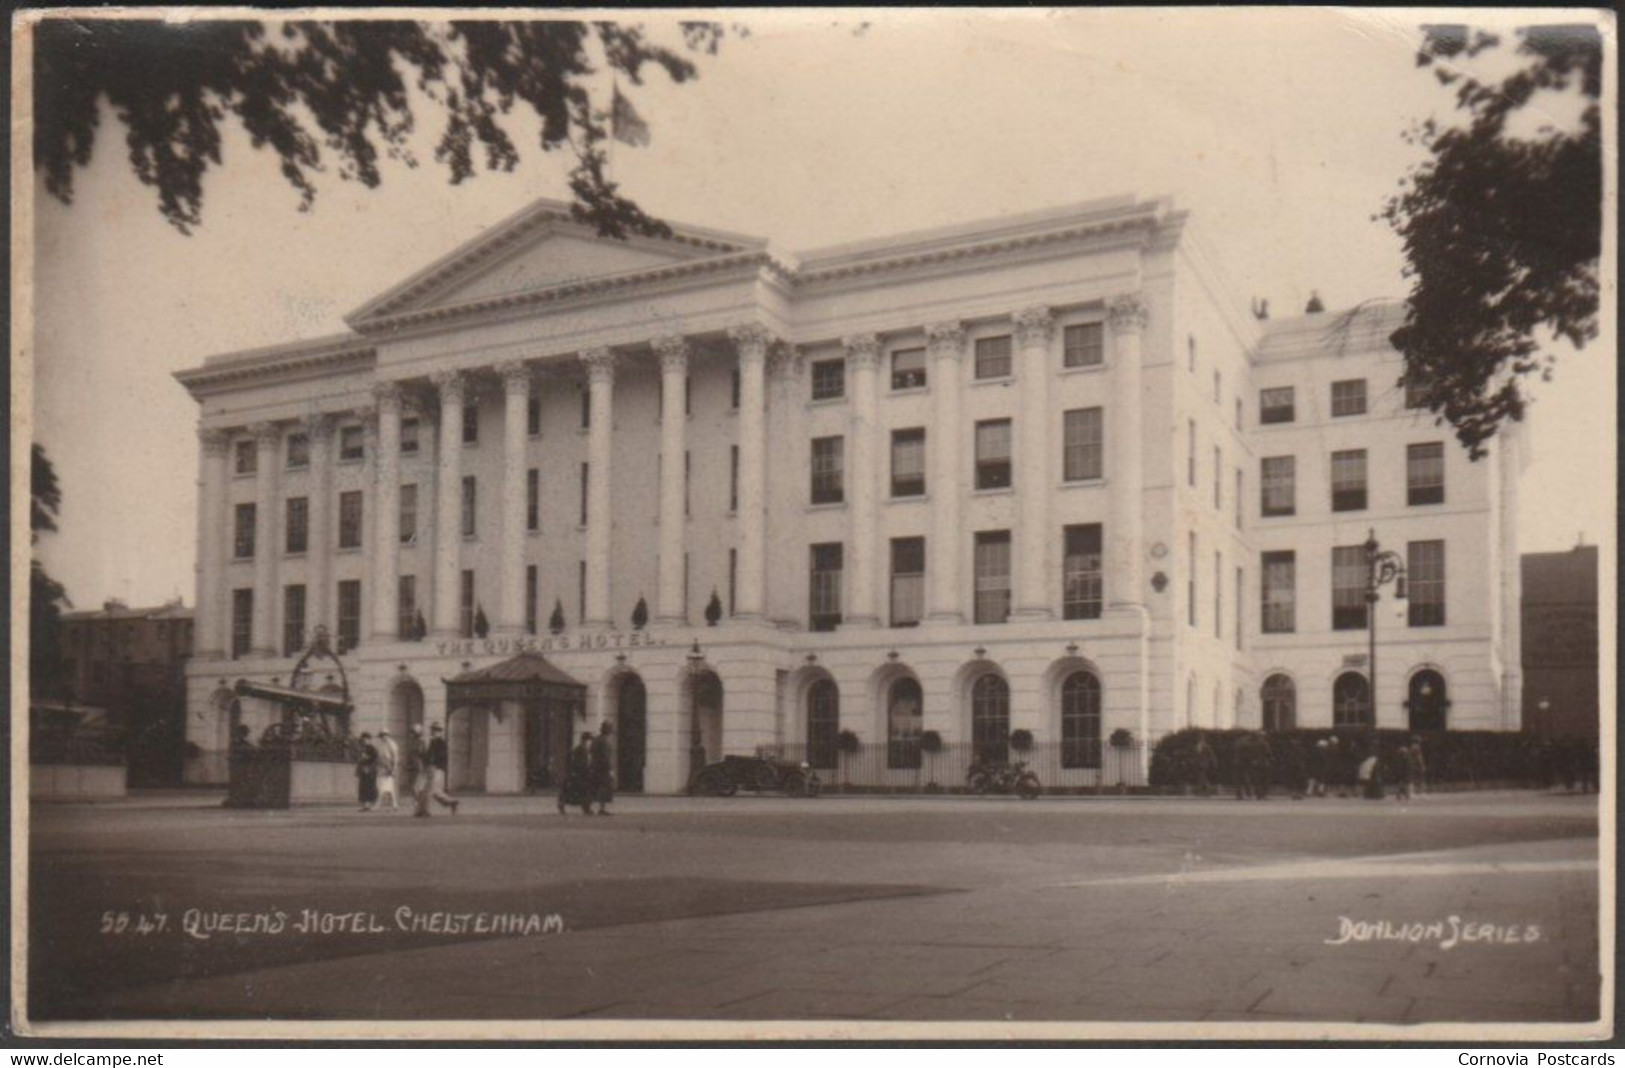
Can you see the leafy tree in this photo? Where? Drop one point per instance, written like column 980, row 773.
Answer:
column 311, row 91
column 1502, row 226
column 46, row 596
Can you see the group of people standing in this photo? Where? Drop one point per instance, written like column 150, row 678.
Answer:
column 589, row 775
column 422, row 764
column 1327, row 766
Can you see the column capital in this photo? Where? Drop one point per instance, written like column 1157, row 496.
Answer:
column 1127, row 313
column 265, row 433
column 1035, row 325
column 673, row 352
column 600, row 364
column 946, row 338
column 515, row 375
column 751, row 339
column 213, row 441
column 450, row 385
column 786, row 362
column 387, row 396
column 862, row 350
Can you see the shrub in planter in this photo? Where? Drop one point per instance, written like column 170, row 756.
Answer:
column 1122, row 738
column 1021, row 740
column 847, row 742
column 930, row 745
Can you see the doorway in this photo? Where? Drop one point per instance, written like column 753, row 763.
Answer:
column 705, row 734
column 632, row 731
column 1427, row 701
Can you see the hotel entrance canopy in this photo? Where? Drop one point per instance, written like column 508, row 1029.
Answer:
column 528, row 678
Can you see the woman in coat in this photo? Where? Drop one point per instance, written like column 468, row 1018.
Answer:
column 577, row 788
column 366, row 773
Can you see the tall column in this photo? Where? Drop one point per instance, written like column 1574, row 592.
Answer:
column 267, row 480
column 751, row 341
column 210, row 631
column 448, row 511
column 386, row 511
column 673, row 353
column 600, row 439
column 515, row 406
column 1034, row 329
column 1125, row 547
column 320, row 540
column 862, row 532
column 946, row 342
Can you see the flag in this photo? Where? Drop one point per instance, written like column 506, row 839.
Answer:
column 625, row 124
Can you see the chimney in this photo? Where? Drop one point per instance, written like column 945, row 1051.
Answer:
column 1314, row 307
column 113, row 604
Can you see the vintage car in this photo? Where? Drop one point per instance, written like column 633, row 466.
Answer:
column 726, row 777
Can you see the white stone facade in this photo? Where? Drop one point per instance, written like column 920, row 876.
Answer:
column 702, row 353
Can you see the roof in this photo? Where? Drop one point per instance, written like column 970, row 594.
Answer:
column 1362, row 328
column 524, row 668
column 163, row 611
column 1567, row 577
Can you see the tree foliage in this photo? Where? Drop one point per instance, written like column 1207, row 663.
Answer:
column 318, row 92
column 1502, row 225
column 46, row 596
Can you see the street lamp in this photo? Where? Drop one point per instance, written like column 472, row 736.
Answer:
column 1381, row 568
column 696, row 663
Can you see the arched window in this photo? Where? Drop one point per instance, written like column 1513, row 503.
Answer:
column 1280, row 700
column 990, row 719
column 1080, row 721
column 1351, row 701
column 1427, row 701
column 905, row 719
column 823, row 722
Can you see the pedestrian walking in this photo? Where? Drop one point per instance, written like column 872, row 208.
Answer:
column 1369, row 776
column 603, row 767
column 438, row 761
column 1262, row 768
column 1319, row 759
column 417, row 770
column 577, row 786
column 1419, row 767
column 389, row 756
column 366, row 773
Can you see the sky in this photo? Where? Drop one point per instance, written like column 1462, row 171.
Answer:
column 1279, row 129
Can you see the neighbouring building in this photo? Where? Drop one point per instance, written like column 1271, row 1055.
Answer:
column 1560, row 643
column 1043, row 473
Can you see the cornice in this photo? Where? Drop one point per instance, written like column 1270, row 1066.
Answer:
column 279, row 362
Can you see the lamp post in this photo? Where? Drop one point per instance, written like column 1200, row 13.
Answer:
column 1381, row 567
column 696, row 660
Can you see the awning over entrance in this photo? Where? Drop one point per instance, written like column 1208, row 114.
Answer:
column 527, row 677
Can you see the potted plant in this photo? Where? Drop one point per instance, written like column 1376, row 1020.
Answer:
column 1121, row 741
column 846, row 742
column 1021, row 740
column 931, row 745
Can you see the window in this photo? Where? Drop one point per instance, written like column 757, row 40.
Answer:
column 1348, row 480
column 1190, row 452
column 409, row 513
column 352, row 443
column 1416, row 391
column 1218, row 479
column 905, row 721
column 530, row 598
column 993, row 442
column 242, row 622
column 465, row 604
column 824, row 591
column 1279, row 698
column 1276, row 405
column 908, row 462
column 733, row 480
column 990, row 720
column 908, row 369
column 1348, row 587
column 1083, row 345
column 1190, row 580
column 1348, row 397
column 907, row 581
column 1082, row 435
column 470, row 503
column 1351, row 701
column 349, row 615
column 471, row 424
column 1424, row 473
column 297, row 523
column 410, row 429
column 1241, row 582
column 1218, row 384
column 1080, row 721
column 828, row 484
column 1218, row 595
column 828, row 379
column 1190, row 353
column 1238, row 412
column 585, row 473
column 733, row 390
column 246, row 456
column 581, row 588
column 243, row 540
column 993, row 357
column 1239, row 498
column 406, row 606
column 823, row 723
column 733, row 578
column 1081, row 594
column 586, row 408
column 688, row 469
column 533, row 499
column 1279, row 481
column 688, row 394
column 350, row 519
column 533, row 416
column 1424, row 570
column 298, row 451
column 293, row 620
column 992, row 576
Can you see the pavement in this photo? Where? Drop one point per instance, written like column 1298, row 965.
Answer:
column 1458, row 909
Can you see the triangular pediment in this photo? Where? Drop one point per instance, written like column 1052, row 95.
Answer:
column 538, row 249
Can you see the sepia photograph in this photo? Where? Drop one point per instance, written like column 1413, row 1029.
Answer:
column 794, row 524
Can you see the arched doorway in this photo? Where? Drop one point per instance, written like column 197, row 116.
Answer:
column 1080, row 720
column 905, row 722
column 1280, row 700
column 705, row 724
column 405, row 709
column 1351, row 701
column 990, row 719
column 823, row 722
column 1427, row 701
column 631, row 732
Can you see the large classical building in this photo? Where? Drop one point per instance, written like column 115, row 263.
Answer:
column 1038, row 474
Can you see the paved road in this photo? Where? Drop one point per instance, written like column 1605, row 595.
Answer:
column 866, row 909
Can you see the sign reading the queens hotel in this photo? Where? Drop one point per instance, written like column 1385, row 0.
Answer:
column 1045, row 476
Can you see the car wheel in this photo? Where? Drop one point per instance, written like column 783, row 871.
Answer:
column 1027, row 786
column 794, row 784
column 713, row 783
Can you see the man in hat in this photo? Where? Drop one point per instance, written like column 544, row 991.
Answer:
column 603, row 767
column 417, row 769
column 437, row 764
column 388, row 757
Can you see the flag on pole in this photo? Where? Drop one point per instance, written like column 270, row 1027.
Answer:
column 625, row 125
